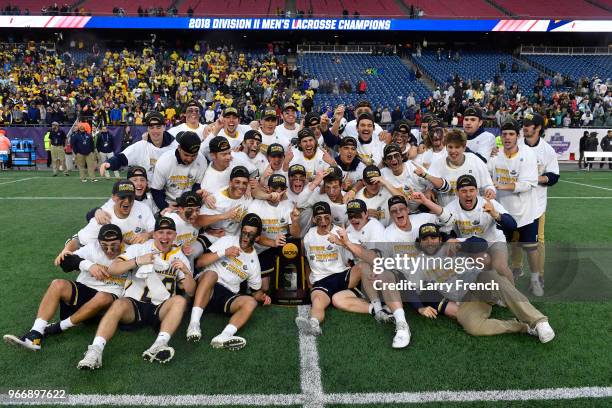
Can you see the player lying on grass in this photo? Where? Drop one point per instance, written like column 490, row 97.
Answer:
column 156, row 269
column 134, row 219
column 471, row 307
column 232, row 260
column 93, row 291
column 331, row 274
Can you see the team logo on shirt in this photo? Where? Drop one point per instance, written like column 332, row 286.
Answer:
column 245, row 267
column 514, row 172
column 475, row 222
column 138, row 230
column 329, row 247
column 223, row 263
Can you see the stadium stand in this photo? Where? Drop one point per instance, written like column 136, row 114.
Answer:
column 553, row 9
column 250, row 8
column 387, row 77
column 576, row 66
column 450, row 8
column 473, row 66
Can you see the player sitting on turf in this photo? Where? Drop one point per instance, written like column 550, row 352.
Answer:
column 472, row 308
column 231, row 261
column 360, row 239
column 475, row 216
column 133, row 218
column 157, row 268
column 330, row 271
column 93, row 291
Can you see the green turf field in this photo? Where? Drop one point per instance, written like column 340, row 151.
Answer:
column 39, row 212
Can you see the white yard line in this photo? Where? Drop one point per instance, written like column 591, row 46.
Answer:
column 18, row 180
column 380, row 398
column 310, row 371
column 585, row 185
column 580, row 198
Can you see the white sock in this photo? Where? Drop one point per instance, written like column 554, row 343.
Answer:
column 162, row 338
column 376, row 305
column 314, row 320
column 230, row 330
column 535, row 276
column 66, row 324
column 99, row 341
column 40, row 325
column 196, row 314
column 399, row 315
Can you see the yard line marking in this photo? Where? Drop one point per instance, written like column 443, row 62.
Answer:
column 17, row 181
column 466, row 396
column 586, row 185
column 582, row 198
column 338, row 398
column 310, row 371
column 53, row 198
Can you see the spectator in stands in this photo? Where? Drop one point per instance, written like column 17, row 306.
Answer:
column 502, row 66
column 606, row 146
column 586, row 118
column 127, row 139
column 386, row 117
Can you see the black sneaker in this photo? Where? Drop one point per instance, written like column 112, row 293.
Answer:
column 31, row 341
column 53, row 328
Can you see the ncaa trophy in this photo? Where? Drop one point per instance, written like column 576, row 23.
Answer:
column 289, row 286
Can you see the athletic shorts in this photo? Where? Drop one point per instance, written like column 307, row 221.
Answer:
column 145, row 314
column 221, row 300
column 335, row 283
column 527, row 235
column 81, row 294
column 267, row 261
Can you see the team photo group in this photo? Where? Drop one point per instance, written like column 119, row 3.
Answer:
column 207, row 212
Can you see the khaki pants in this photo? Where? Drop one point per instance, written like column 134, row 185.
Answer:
column 517, row 252
column 475, row 311
column 58, row 159
column 104, row 157
column 90, row 161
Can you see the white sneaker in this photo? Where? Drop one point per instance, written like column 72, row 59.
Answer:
column 383, row 316
column 228, row 342
column 537, row 285
column 92, row 359
column 158, row 352
column 194, row 333
column 543, row 330
column 30, row 341
column 308, row 326
column 402, row 335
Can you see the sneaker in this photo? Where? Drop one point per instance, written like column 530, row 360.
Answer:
column 537, row 285
column 308, row 326
column 228, row 342
column 66, row 174
column 95, row 180
column 84, row 181
column 158, row 352
column 384, row 316
column 54, row 174
column 543, row 330
column 194, row 333
column 30, row 340
column 92, row 359
column 517, row 272
column 53, row 328
column 402, row 335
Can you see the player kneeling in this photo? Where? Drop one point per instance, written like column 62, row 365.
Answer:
column 156, row 268
column 92, row 293
column 231, row 260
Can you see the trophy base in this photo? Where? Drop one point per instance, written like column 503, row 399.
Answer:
column 291, row 298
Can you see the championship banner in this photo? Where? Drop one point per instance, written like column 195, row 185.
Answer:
column 566, row 141
column 302, row 24
column 289, row 286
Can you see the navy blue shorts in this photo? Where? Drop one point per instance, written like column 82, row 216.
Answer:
column 145, row 314
column 335, row 283
column 81, row 294
column 267, row 261
column 221, row 300
column 527, row 235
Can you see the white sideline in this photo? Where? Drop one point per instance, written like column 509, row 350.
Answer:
column 340, row 398
column 586, row 185
column 18, row 180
